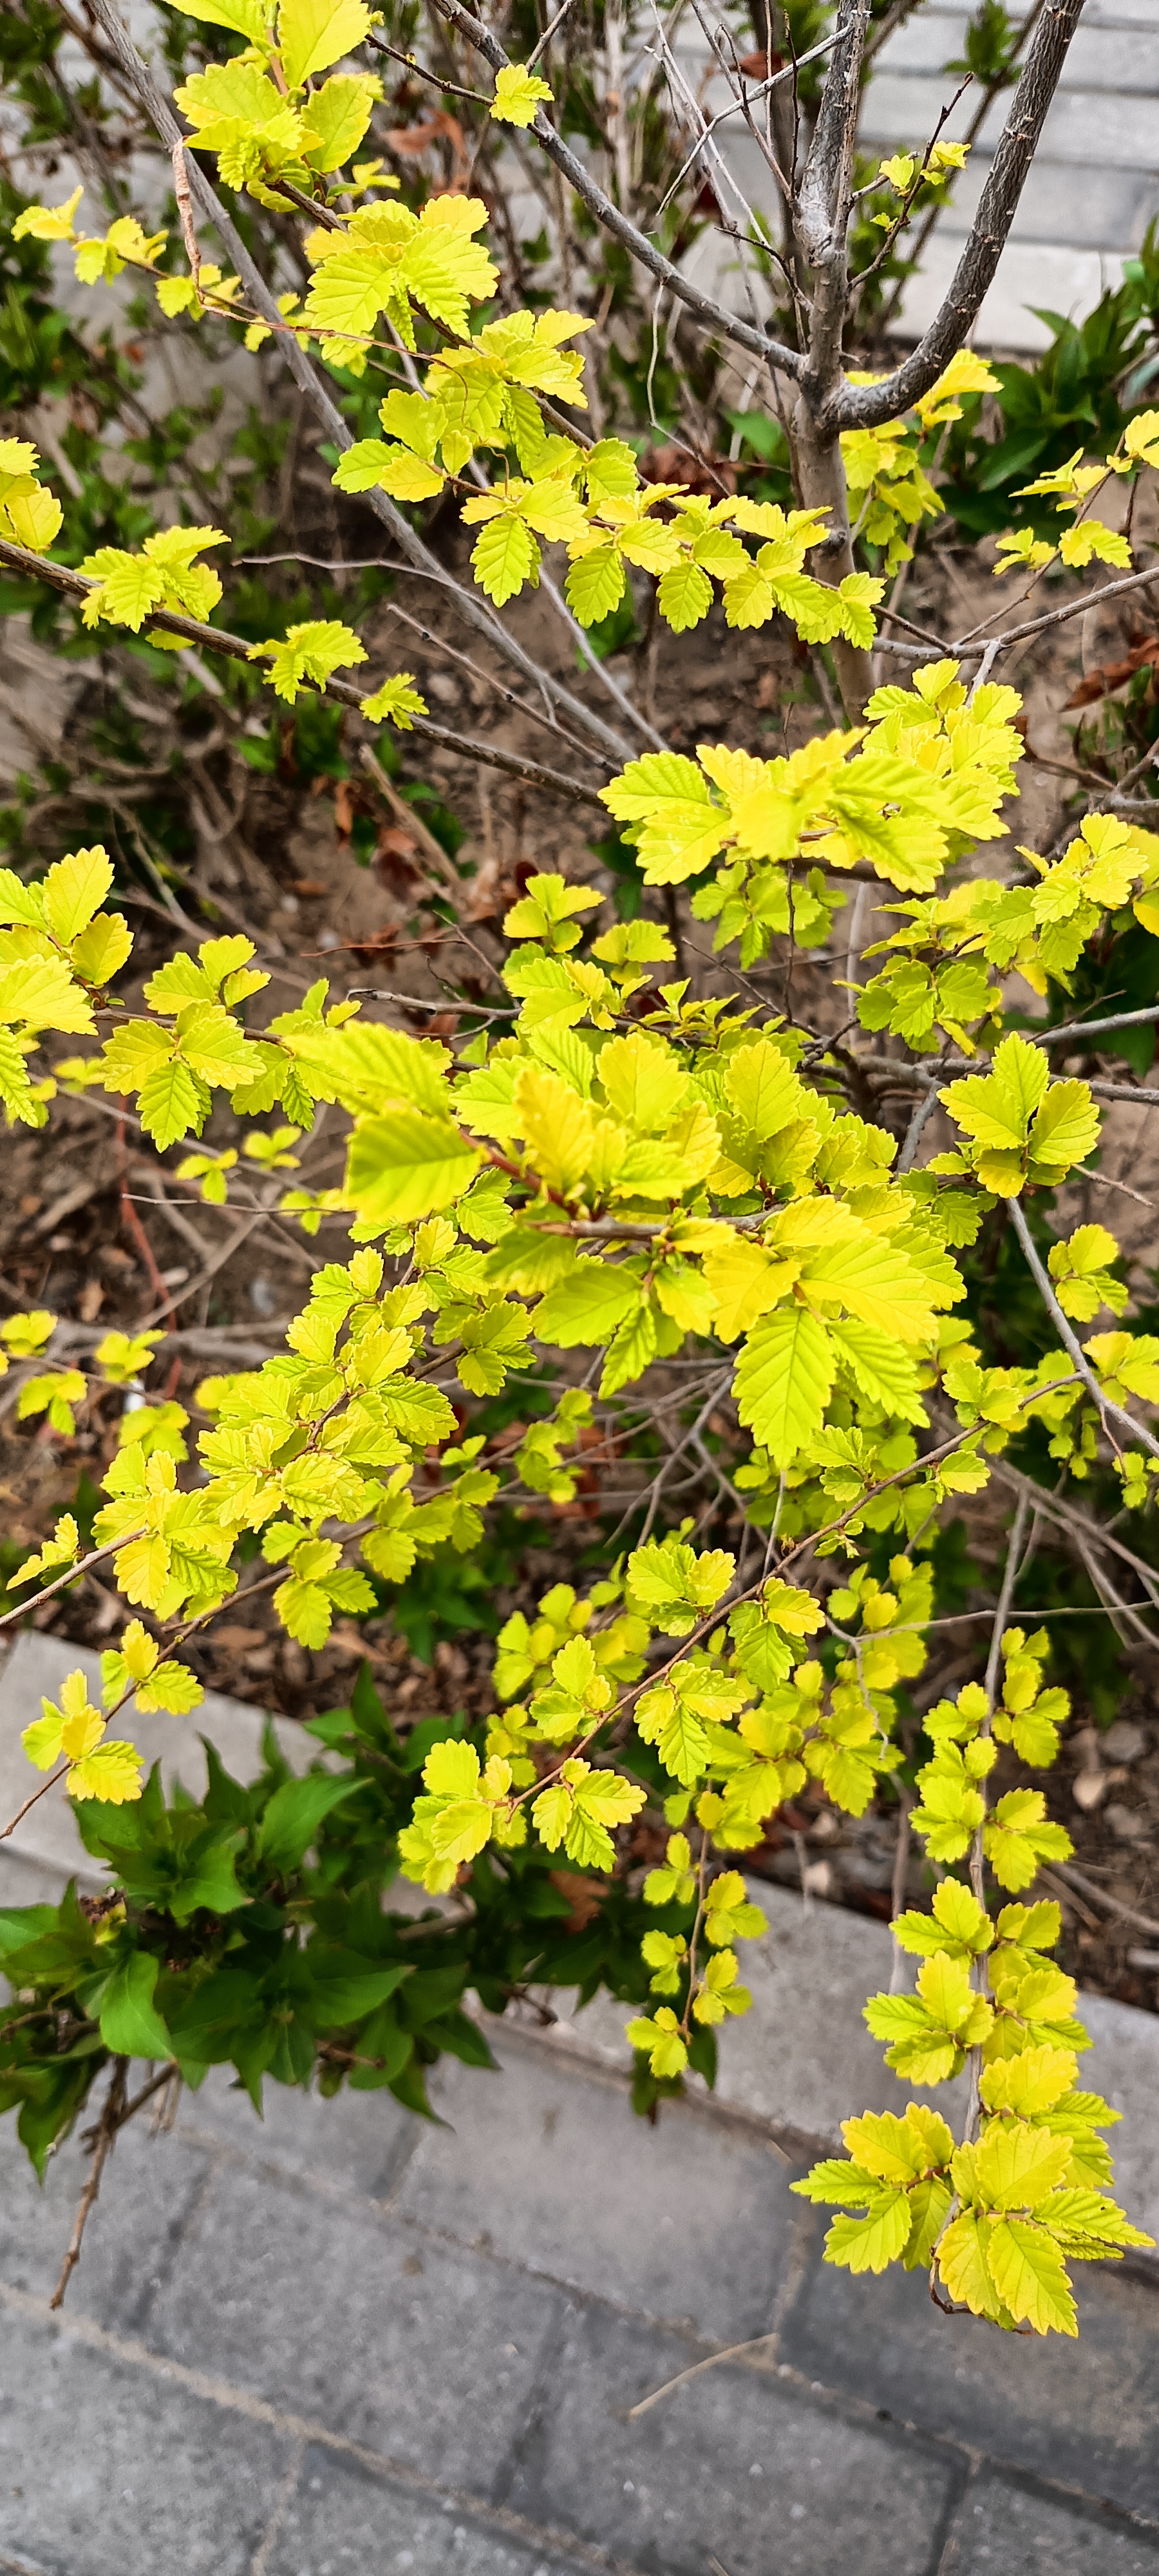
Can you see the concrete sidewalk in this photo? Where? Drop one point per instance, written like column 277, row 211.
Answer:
column 345, row 2342
column 350, row 2341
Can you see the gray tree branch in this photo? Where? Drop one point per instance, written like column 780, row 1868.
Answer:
column 868, row 406
column 716, row 317
column 307, row 377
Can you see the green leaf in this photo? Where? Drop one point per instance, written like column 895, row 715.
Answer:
column 1029, row 2275
column 517, row 95
column 312, row 34
column 872, row 2242
column 73, row 890
column 405, row 1165
column 1065, row 1130
column 1018, row 1835
column 588, row 1306
column 504, row 557
column 130, row 585
column 339, row 114
column 783, row 1382
column 170, row 1104
column 996, row 1108
column 347, row 1988
column 130, row 2024
column 684, row 596
column 293, row 1816
column 213, row 1883
column 595, row 585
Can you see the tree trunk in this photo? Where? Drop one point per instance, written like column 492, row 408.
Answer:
column 820, row 479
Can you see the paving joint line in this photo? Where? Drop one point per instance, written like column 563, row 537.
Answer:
column 794, row 2145
column 82, row 2329
column 259, row 2563
column 230, row 2157
column 301, row 2429
column 862, row 2410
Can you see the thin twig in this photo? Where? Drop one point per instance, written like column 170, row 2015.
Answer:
column 1069, row 1337
column 901, row 1852
column 217, row 639
column 42, row 1792
column 106, row 2130
column 1073, row 1877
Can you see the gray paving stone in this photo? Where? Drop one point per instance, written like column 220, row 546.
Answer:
column 734, row 2464
column 356, row 2142
column 35, row 1668
column 1083, row 2412
column 689, row 2220
column 150, row 2186
column 1124, row 2064
column 345, row 2521
column 1008, row 2530
column 424, row 2353
column 105, row 2471
column 802, row 2057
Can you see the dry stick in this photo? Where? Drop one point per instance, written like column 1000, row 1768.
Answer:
column 185, row 211
column 437, row 643
column 1072, row 1521
column 42, row 1792
column 70, row 1575
column 732, row 2352
column 978, row 1846
column 107, row 2127
column 164, row 2075
column 913, row 1134
column 1073, row 1877
column 307, row 377
column 901, row 1854
column 410, row 820
column 217, row 639
column 167, row 1305
column 1074, row 608
column 1070, row 1340
column 1072, row 1030
column 225, row 1252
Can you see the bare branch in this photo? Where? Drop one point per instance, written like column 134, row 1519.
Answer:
column 306, row 375
column 106, row 2130
column 715, row 317
column 868, row 406
column 1069, row 1338
column 217, row 639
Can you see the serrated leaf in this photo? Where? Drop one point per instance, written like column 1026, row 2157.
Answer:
column 504, row 557
column 73, row 890
column 872, row 2242
column 1029, row 2276
column 963, row 2267
column 783, row 1382
column 595, row 584
column 684, row 596
column 517, row 95
column 169, row 1104
column 405, row 1165
column 312, row 34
